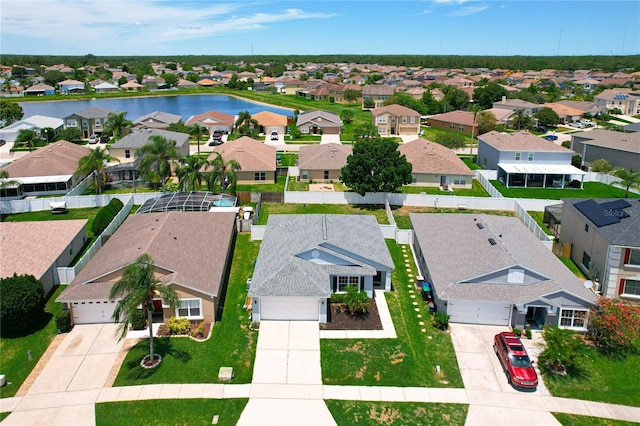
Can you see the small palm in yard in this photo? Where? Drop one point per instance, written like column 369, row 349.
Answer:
column 157, row 158
column 96, row 161
column 628, row 179
column 138, row 287
column 564, row 353
column 357, row 301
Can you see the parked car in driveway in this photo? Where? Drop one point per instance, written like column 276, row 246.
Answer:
column 515, row 360
column 274, row 136
column 550, row 137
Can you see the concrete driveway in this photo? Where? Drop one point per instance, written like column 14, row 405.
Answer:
column 330, row 139
column 81, row 362
column 479, row 365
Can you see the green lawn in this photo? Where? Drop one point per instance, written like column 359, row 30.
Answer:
column 263, row 187
column 232, row 343
column 347, row 413
column 288, row 159
column 409, row 360
column 375, row 210
column 569, row 263
column 576, row 420
column 471, row 162
column 604, row 380
column 431, row 134
column 170, row 412
column 13, row 350
column 4, row 415
column 539, row 217
column 401, row 213
column 476, row 190
column 591, row 190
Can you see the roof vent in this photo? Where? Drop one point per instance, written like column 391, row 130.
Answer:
column 492, row 241
column 479, row 225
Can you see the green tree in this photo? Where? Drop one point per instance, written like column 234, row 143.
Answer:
column 225, row 171
column 190, row 172
column 346, row 115
column 350, row 95
column 365, row 131
column 170, row 80
column 48, row 134
column 450, row 140
column 138, row 286
column 404, row 99
column 455, row 98
column 10, row 112
column 368, row 103
column 601, row 165
column 53, row 77
column 22, row 304
column 117, row 124
column 356, row 300
column 197, row 131
column 246, row 125
column 628, row 179
column 71, row 134
column 564, row 352
column 28, row 138
column 432, row 105
column 547, row 117
column 18, row 72
column 376, row 165
column 96, row 161
column 519, row 119
column 485, row 122
column 486, row 95
column 157, row 158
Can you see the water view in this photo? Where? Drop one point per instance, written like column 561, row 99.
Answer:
column 183, row 105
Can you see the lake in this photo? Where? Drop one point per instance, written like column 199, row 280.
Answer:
column 183, row 105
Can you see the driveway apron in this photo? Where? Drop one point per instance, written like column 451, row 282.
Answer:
column 287, row 381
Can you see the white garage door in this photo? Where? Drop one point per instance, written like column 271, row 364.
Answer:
column 92, row 312
column 289, row 308
column 478, row 312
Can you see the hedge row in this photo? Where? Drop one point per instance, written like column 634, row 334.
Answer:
column 106, row 215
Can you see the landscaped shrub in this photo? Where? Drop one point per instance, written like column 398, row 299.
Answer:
column 21, row 305
column 106, row 215
column 517, row 331
column 356, row 300
column 63, row 321
column 614, row 325
column 441, row 320
column 564, row 353
column 337, row 298
column 138, row 320
column 178, row 325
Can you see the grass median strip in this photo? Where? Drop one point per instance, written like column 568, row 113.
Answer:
column 396, row 413
column 408, row 360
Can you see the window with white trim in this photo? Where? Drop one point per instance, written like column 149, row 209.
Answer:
column 259, row 176
column 412, row 120
column 127, row 153
column 85, row 123
column 530, row 156
column 631, row 288
column 459, row 180
column 326, row 174
column 404, row 120
column 573, row 318
column 634, row 257
column 344, row 282
column 72, row 123
column 382, row 130
column 97, row 122
column 382, row 119
column 517, row 156
column 190, row 308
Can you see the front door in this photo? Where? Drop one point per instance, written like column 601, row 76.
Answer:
column 158, row 314
column 443, row 180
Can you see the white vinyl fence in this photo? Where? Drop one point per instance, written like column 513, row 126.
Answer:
column 67, row 274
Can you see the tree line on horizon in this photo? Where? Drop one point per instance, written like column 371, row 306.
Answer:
column 223, row 62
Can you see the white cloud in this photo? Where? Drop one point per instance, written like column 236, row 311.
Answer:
column 123, row 25
column 469, row 10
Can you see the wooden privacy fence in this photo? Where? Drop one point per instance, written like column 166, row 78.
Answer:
column 561, row 249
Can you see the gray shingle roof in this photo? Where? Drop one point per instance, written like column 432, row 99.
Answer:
column 455, row 249
column 355, row 242
column 140, row 138
column 95, row 112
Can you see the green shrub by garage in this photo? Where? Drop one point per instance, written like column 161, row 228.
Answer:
column 138, row 320
column 63, row 321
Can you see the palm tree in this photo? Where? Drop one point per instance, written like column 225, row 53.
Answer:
column 197, row 130
column 6, row 182
column 518, row 117
column 96, row 160
column 245, row 123
column 190, row 174
column 157, row 158
column 138, row 287
column 117, row 124
column 628, row 179
column 225, row 171
column 28, row 137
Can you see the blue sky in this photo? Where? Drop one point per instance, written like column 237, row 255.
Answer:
column 427, row 27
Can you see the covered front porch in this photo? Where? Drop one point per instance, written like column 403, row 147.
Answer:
column 540, row 176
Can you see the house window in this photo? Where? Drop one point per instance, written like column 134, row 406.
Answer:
column 382, row 120
column 98, row 122
column 127, row 153
column 85, row 123
column 414, row 178
column 305, row 175
column 634, row 258
column 586, row 227
column 461, row 127
column 517, row 156
column 404, row 120
column 260, row 176
column 573, row 318
column 452, row 126
column 586, row 260
column 412, row 120
column 459, row 180
column 72, row 123
column 190, row 308
column 631, row 288
column 344, row 282
column 530, row 156
column 326, row 174
column 382, row 130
